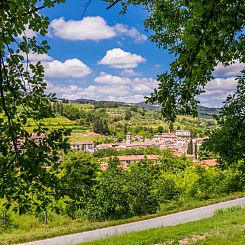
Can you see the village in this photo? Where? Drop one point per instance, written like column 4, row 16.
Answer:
column 179, row 143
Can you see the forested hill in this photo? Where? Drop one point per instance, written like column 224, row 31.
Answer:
column 203, row 111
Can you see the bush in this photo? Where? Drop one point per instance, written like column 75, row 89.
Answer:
column 166, row 188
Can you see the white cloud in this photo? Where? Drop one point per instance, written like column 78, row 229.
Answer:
column 35, row 57
column 228, row 71
column 222, row 84
column 28, row 33
column 132, row 99
column 118, row 58
column 90, row 92
column 130, row 73
column 141, row 85
column 92, row 28
column 217, row 91
column 130, row 32
column 70, row 68
column 108, row 87
column 104, row 78
column 89, row 28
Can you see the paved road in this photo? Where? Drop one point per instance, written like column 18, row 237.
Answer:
column 168, row 220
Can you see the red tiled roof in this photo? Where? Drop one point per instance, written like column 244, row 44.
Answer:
column 176, row 153
column 209, row 162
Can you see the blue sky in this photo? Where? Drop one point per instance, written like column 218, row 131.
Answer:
column 107, row 56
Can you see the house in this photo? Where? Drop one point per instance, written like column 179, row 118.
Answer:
column 208, row 163
column 183, row 133
column 105, row 146
column 135, row 145
column 164, row 137
column 182, row 141
column 169, row 135
column 128, row 138
column 38, row 136
column 83, row 146
column 126, row 145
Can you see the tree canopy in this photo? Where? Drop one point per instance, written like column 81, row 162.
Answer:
column 199, row 35
column 229, row 140
column 27, row 165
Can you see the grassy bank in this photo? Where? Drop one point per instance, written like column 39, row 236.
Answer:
column 227, row 226
column 28, row 228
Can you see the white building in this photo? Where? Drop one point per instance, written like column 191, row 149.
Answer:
column 83, row 146
column 183, row 133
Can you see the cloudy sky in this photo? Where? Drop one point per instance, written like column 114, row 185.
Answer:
column 107, row 56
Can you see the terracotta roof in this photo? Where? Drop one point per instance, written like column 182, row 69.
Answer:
column 209, row 163
column 176, row 153
column 138, row 157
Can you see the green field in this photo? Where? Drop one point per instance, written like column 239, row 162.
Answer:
column 227, row 226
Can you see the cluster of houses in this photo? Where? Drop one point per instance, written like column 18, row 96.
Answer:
column 177, row 141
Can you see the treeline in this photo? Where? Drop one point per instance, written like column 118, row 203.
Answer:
column 107, row 104
column 141, row 151
column 97, row 120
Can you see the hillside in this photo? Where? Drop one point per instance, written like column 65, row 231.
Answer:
column 203, row 111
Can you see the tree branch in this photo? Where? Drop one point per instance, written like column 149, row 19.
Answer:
column 114, row 3
column 37, row 9
column 4, row 104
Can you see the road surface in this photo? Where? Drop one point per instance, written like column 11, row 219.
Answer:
column 168, row 220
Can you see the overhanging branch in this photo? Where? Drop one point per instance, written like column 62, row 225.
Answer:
column 114, row 3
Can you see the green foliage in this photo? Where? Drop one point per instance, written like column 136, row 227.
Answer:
column 166, row 188
column 71, row 112
column 212, row 182
column 228, row 140
column 113, row 152
column 77, row 179
column 109, row 200
column 25, row 178
column 100, row 122
column 190, row 148
column 106, row 104
column 139, row 190
column 160, row 129
column 174, row 164
column 204, row 153
column 200, row 34
column 128, row 115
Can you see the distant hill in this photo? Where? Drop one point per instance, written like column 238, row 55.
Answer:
column 94, row 102
column 202, row 110
column 206, row 111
